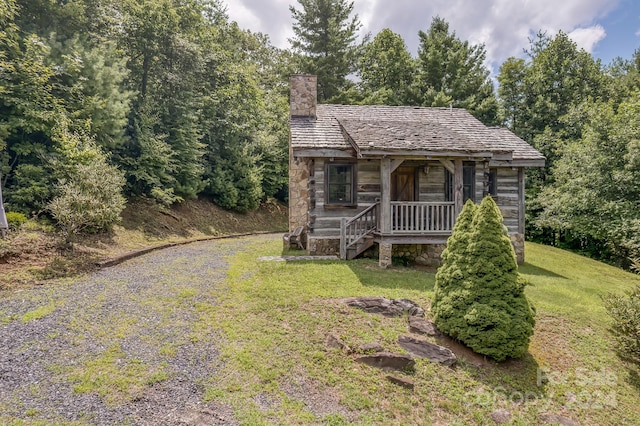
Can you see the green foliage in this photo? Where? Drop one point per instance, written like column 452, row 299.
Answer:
column 452, row 72
column 160, row 86
column 479, row 297
column 325, row 34
column 511, row 91
column 15, row 220
column 89, row 190
column 386, row 70
column 625, row 312
column 597, row 181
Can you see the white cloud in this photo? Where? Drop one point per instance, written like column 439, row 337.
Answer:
column 505, row 26
column 587, row 38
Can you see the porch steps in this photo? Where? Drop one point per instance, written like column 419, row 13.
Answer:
column 362, row 245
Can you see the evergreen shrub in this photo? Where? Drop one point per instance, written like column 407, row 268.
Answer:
column 479, row 296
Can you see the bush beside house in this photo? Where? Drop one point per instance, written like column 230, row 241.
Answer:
column 479, row 296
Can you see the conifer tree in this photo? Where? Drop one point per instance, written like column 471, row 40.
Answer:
column 452, row 274
column 452, row 72
column 325, row 35
column 480, row 297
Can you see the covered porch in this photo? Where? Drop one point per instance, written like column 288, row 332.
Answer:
column 396, row 219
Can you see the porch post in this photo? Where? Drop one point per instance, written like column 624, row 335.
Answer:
column 458, row 194
column 385, row 249
column 385, row 202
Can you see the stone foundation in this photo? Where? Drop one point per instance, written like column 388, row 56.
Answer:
column 317, row 246
column 421, row 254
column 385, row 254
column 517, row 240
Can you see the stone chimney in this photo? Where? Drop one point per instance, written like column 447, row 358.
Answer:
column 304, row 95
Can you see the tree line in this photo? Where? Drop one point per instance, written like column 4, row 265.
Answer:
column 159, row 98
column 169, row 99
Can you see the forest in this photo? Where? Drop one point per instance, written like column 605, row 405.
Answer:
column 104, row 100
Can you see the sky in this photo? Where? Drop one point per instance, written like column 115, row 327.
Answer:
column 606, row 28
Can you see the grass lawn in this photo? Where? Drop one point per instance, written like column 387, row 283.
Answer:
column 275, row 317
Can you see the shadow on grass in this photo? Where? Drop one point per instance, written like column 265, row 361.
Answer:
column 528, row 269
column 516, row 380
column 395, row 277
column 519, row 381
column 634, row 376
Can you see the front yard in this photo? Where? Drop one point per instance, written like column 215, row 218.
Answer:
column 207, row 331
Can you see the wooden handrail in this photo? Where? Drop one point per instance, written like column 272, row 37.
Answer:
column 358, row 227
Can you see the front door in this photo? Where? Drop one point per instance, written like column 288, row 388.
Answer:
column 403, row 184
column 403, row 188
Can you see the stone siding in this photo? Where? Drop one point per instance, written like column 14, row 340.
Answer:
column 323, row 246
column 298, row 192
column 421, row 254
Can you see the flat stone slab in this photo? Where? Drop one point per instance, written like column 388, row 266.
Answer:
column 371, row 347
column 335, row 342
column 294, row 258
column 555, row 419
column 422, row 326
column 428, row 350
column 401, row 381
column 388, row 361
column 386, row 307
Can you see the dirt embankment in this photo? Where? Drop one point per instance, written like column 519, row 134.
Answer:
column 35, row 253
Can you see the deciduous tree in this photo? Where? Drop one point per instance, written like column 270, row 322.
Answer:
column 386, row 70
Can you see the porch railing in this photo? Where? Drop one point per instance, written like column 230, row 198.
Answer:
column 355, row 229
column 422, row 218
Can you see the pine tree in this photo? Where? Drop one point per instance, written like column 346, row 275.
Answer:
column 325, row 35
column 452, row 72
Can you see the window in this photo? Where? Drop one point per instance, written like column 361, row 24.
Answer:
column 340, row 184
column 448, row 185
column 492, row 178
column 468, row 183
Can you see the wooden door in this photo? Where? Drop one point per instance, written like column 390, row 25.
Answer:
column 403, row 184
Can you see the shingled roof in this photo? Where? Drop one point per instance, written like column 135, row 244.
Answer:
column 401, row 129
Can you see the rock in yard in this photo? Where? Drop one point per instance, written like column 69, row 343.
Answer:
column 388, row 361
column 371, row 347
column 431, row 351
column 401, row 381
column 335, row 342
column 554, row 419
column 422, row 326
column 409, row 306
column 386, row 307
column 501, row 416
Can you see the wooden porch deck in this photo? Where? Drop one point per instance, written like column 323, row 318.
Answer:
column 410, row 223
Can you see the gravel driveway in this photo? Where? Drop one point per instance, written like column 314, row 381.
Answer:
column 125, row 345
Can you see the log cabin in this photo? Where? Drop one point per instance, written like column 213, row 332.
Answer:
column 393, row 179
